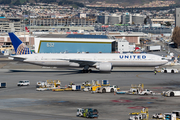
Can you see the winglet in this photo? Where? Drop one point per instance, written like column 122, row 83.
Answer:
column 19, row 46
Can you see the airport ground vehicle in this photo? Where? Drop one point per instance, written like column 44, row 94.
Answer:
column 154, row 48
column 2, row 84
column 6, row 47
column 136, row 88
column 145, row 92
column 177, row 114
column 23, row 82
column 158, row 116
column 143, row 115
column 76, row 87
column 48, row 83
column 87, row 112
column 170, row 70
column 171, row 93
column 170, row 116
column 104, row 89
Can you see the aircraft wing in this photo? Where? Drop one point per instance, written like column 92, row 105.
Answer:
column 82, row 62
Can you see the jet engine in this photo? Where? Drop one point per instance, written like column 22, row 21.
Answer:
column 105, row 67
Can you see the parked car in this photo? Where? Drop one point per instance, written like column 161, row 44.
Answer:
column 23, row 83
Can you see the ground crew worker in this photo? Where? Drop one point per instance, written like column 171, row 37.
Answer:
column 155, row 72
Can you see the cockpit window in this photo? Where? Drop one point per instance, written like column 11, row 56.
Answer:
column 163, row 58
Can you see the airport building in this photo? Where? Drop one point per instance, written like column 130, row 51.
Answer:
column 114, row 19
column 132, row 38
column 103, row 19
column 78, row 43
column 109, row 19
column 126, row 18
column 61, row 21
column 11, row 24
column 73, row 43
column 138, row 19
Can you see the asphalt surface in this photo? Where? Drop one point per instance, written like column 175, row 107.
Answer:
column 26, row 103
column 20, row 103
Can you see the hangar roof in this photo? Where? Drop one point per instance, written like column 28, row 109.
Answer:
column 72, row 36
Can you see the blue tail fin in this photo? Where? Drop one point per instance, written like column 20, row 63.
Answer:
column 19, row 46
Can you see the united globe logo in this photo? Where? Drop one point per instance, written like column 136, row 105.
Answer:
column 23, row 49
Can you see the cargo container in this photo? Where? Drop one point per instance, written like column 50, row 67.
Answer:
column 3, row 84
column 76, row 87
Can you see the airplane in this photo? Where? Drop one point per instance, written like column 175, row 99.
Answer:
column 101, row 61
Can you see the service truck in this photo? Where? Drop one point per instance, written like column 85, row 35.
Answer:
column 143, row 115
column 177, row 114
column 87, row 112
column 104, row 89
column 171, row 93
column 146, row 92
column 169, row 116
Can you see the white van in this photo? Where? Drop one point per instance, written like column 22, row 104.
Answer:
column 23, row 82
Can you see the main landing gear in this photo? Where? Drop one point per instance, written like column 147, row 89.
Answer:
column 86, row 69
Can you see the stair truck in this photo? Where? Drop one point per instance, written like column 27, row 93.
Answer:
column 136, row 88
column 87, row 112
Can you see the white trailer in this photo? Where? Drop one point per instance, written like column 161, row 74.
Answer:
column 154, row 48
column 171, row 93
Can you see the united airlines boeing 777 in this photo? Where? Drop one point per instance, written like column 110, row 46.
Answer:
column 101, row 61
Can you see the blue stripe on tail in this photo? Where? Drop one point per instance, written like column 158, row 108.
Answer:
column 19, row 46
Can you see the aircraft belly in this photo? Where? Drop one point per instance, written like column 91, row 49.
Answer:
column 137, row 63
column 50, row 63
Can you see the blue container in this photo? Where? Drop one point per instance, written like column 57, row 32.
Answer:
column 78, row 87
column 3, row 85
column 105, row 82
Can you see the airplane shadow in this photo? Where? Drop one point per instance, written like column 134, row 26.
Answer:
column 70, row 71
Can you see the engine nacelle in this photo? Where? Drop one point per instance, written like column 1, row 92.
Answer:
column 74, row 65
column 105, row 67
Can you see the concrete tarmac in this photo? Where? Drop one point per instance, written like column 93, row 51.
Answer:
column 26, row 103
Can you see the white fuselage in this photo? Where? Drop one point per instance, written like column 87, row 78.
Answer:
column 116, row 59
